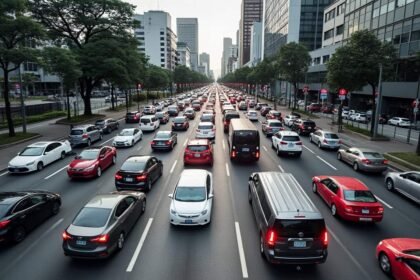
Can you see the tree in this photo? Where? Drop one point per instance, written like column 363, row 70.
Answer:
column 29, row 79
column 357, row 64
column 81, row 22
column 16, row 31
column 292, row 63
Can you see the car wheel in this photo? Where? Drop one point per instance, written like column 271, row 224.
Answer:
column 63, row 155
column 272, row 144
column 120, row 241
column 314, row 187
column 262, row 246
column 132, row 143
column 39, row 166
column 355, row 166
column 143, row 206
column 334, row 210
column 384, row 263
column 98, row 171
column 90, row 142
column 249, row 196
column 310, row 139
column 55, row 208
column 18, row 234
column 149, row 185
column 278, row 151
column 319, row 145
column 389, row 185
column 339, row 156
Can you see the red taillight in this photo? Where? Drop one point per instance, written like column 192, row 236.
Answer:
column 118, row 177
column 385, row 161
column 142, row 177
column 153, row 143
column 298, row 143
column 135, row 117
column 66, row 236
column 233, row 154
column 325, row 238
column 283, row 143
column 257, row 154
column 85, row 136
column 168, row 142
column 380, row 210
column 226, row 123
column 4, row 224
column 366, row 161
column 271, row 237
column 104, row 238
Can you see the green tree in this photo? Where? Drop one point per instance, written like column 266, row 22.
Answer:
column 357, row 64
column 29, row 79
column 292, row 63
column 81, row 22
column 16, row 31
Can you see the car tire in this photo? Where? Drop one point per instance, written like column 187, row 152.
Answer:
column 63, row 155
column 98, row 172
column 120, row 241
column 39, row 166
column 89, row 142
column 339, row 156
column 319, row 145
column 262, row 251
column 355, row 166
column 55, row 208
column 389, row 185
column 333, row 210
column 143, row 206
column 314, row 187
column 249, row 196
column 278, row 151
column 18, row 234
column 384, row 263
column 149, row 185
column 132, row 143
column 310, row 139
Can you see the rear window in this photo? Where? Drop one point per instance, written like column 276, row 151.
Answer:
column 133, row 166
column 76, row 132
column 309, row 124
column 275, row 124
column 145, row 120
column 359, row 196
column 179, row 120
column 331, row 136
column 131, row 114
column 232, row 116
column 205, row 127
column 291, row 138
column 372, row 155
column 291, row 228
column 3, row 210
column 198, row 148
column 92, row 217
column 246, row 137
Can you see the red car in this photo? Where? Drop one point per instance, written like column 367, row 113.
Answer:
column 314, row 107
column 400, row 257
column 91, row 162
column 274, row 115
column 348, row 198
column 199, row 151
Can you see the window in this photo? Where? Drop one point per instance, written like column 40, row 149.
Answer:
column 208, row 184
column 162, row 54
column 23, row 205
column 162, row 33
column 333, row 187
column 340, row 9
column 328, row 34
column 325, row 59
column 162, row 44
column 317, row 60
column 29, row 66
column 339, row 30
column 36, row 199
column 162, row 38
column 122, row 206
column 162, row 60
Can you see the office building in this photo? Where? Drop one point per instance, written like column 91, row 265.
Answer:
column 183, row 54
column 227, row 45
column 187, row 31
column 251, row 11
column 205, row 61
column 256, row 43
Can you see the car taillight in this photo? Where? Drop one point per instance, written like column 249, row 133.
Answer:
column 349, row 209
column 233, row 154
column 142, row 177
column 366, row 161
column 118, row 177
column 85, row 136
column 271, row 237
column 225, row 123
column 104, row 238
column 4, row 224
column 153, row 143
column 257, row 154
column 298, row 143
column 135, row 117
column 66, row 236
column 385, row 161
column 283, row 143
column 325, row 238
column 380, row 210
column 168, row 142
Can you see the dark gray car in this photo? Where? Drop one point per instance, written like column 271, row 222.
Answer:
column 107, row 125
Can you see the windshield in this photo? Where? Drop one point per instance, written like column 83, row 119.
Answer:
column 179, row 120
column 197, row 148
column 126, row 133
column 372, row 155
column 275, row 124
column 89, row 154
column 246, row 137
column 291, row 138
column 205, row 127
column 190, row 194
column 252, row 113
column 291, row 228
column 163, row 135
column 145, row 121
column 32, row 151
column 76, row 132
column 133, row 166
column 359, row 196
column 92, row 217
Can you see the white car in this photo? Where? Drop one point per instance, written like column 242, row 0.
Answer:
column 206, row 130
column 399, row 121
column 287, row 142
column 37, row 155
column 127, row 137
column 289, row 119
column 359, row 117
column 252, row 115
column 149, row 123
column 192, row 199
column 345, row 114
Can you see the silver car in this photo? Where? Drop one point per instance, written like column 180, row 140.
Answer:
column 325, row 139
column 407, row 183
column 363, row 159
column 85, row 135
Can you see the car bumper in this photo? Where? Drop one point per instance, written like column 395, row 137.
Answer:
column 140, row 186
column 180, row 128
column 78, row 142
column 81, row 174
column 21, row 169
column 206, row 136
column 147, row 128
column 161, row 147
column 276, row 259
column 121, row 144
column 198, row 161
column 101, row 252
column 372, row 168
column 190, row 221
column 361, row 218
column 330, row 146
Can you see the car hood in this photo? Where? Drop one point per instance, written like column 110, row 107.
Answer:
column 84, row 231
column 122, row 138
column 188, row 207
column 23, row 160
column 81, row 163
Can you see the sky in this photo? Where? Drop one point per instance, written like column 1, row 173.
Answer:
column 216, row 19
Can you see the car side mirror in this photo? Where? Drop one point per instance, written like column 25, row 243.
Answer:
column 403, row 176
column 170, row 195
column 211, row 195
column 46, row 153
column 18, row 153
column 399, row 258
column 101, row 156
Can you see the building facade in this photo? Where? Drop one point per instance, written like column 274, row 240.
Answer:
column 187, row 31
column 227, row 45
column 183, row 54
column 256, row 43
column 156, row 38
column 205, row 61
column 251, row 11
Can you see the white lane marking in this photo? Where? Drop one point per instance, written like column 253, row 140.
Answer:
column 227, row 170
column 281, row 168
column 139, row 148
column 173, row 166
column 384, row 203
column 241, row 251
column 265, row 149
column 223, row 144
column 326, row 162
column 185, row 143
column 308, row 149
column 7, row 172
column 352, row 258
column 58, row 171
column 139, row 246
column 106, row 141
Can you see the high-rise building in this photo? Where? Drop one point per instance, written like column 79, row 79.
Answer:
column 187, row 30
column 157, row 40
column 184, row 54
column 251, row 11
column 293, row 21
column 256, row 43
column 205, row 61
column 227, row 45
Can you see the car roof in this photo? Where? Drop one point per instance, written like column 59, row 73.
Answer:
column 242, row 124
column 138, row 158
column 82, row 126
column 41, row 144
column 7, row 198
column 198, row 142
column 107, row 201
column 349, row 183
column 193, row 178
column 288, row 133
column 205, row 123
column 273, row 121
column 148, row 117
column 128, row 129
column 366, row 150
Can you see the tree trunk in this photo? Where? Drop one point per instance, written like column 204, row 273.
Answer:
column 68, row 103
column 7, row 104
column 295, row 95
column 372, row 121
column 112, row 98
column 86, row 88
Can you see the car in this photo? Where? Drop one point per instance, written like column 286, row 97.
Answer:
column 270, row 127
column 345, row 113
column 101, row 227
column 133, row 117
column 325, row 139
column 36, row 156
column 243, row 141
column 290, row 228
column 127, row 137
column 406, row 183
column 264, row 110
column 207, row 118
column 181, row 105
column 348, row 198
column 189, row 113
column 209, row 111
column 91, row 162
column 159, row 106
column 227, row 117
column 85, row 135
column 164, row 140
column 314, row 107
column 173, row 111
column 163, row 117
column 138, row 173
column 260, row 105
column 196, row 105
column 286, row 142
column 252, row 115
column 273, row 115
column 397, row 121
column 149, row 123
column 359, row 117
column 289, row 119
column 198, row 151
column 327, row 109
column 206, row 130
column 180, row 123
column 399, row 257
column 107, row 125
column 23, row 211
column 242, row 106
column 363, row 159
column 227, row 108
column 301, row 102
column 192, row 199
column 210, row 107
column 251, row 103
column 149, row 110
column 303, row 127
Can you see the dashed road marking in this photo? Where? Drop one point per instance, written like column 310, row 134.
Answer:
column 185, row 143
column 281, row 168
column 139, row 246
column 308, row 149
column 106, row 141
column 56, row 172
column 241, row 251
column 265, row 149
column 2, row 174
column 326, row 162
column 227, row 170
column 173, row 166
column 384, row 203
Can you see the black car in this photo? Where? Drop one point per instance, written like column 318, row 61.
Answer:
column 101, row 226
column 107, row 125
column 180, row 123
column 138, row 173
column 20, row 212
column 133, row 117
column 303, row 126
column 164, row 140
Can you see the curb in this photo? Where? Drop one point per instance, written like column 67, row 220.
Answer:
column 410, row 165
column 19, row 142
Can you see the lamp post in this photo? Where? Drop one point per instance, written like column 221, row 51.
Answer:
column 22, row 102
column 378, row 103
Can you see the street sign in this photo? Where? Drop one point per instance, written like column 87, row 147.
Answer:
column 323, row 91
column 323, row 96
column 306, row 89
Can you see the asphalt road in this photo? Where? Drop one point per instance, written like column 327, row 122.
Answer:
column 228, row 248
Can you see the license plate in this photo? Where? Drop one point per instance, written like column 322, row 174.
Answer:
column 81, row 242
column 290, row 145
column 299, row 244
column 205, row 132
column 245, row 149
column 188, row 221
column 365, row 211
column 129, row 179
column 309, row 127
column 178, row 125
column 197, row 155
column 365, row 219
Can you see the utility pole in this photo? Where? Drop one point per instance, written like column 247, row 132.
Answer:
column 22, row 102
column 378, row 103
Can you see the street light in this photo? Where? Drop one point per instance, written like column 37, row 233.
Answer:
column 379, row 101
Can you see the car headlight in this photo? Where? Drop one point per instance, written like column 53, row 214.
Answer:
column 173, row 212
column 204, row 212
column 30, row 163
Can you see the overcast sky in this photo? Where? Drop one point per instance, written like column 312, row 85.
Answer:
column 216, row 19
